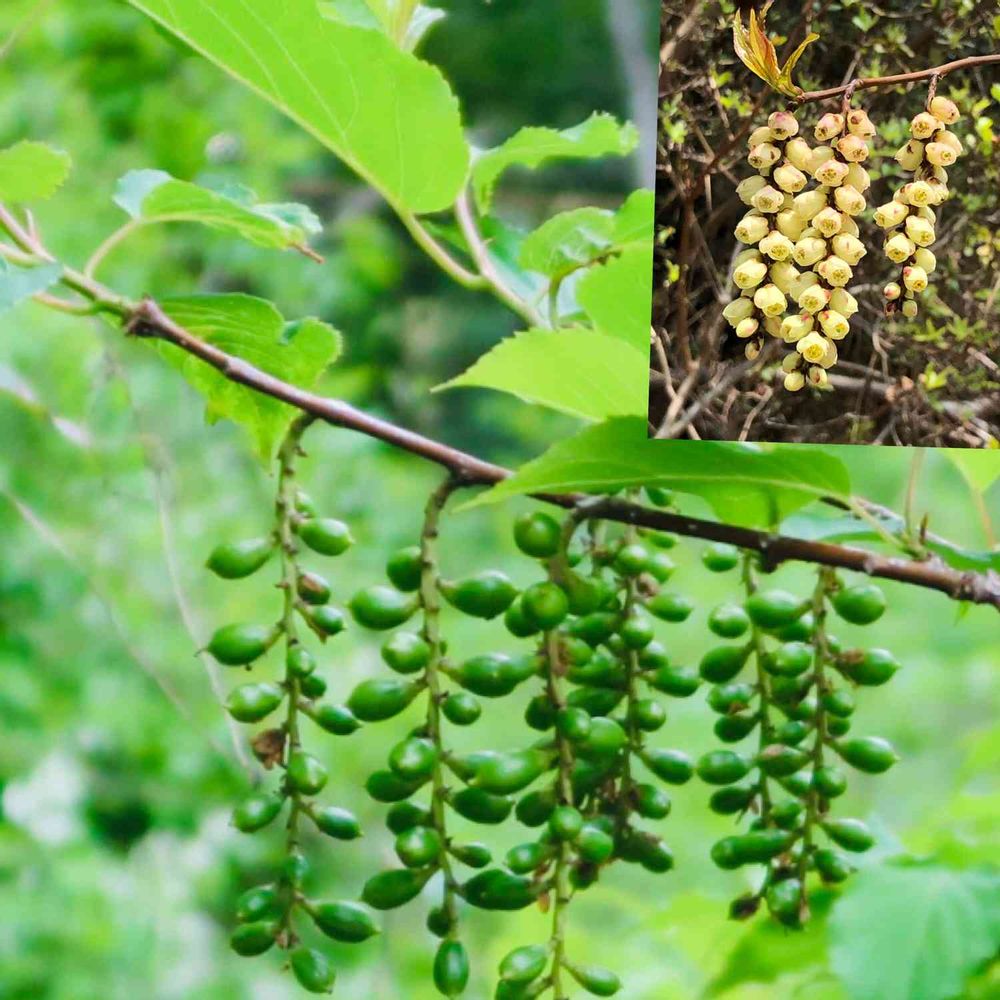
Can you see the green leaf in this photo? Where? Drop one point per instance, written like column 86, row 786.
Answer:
column 375, row 106
column 153, row 196
column 600, row 135
column 254, row 330
column 981, row 469
column 577, row 371
column 18, row 284
column 32, row 171
column 744, row 485
column 618, row 297
column 572, row 240
column 914, row 931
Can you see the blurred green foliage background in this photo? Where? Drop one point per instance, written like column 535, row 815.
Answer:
column 117, row 770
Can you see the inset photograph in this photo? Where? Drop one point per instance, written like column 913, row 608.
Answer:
column 828, row 224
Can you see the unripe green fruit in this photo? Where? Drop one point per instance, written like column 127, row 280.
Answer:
column 522, row 965
column 313, row 686
column 729, row 621
column 481, row 806
column 387, row 786
column 651, row 802
column 304, row 504
column 720, row 557
column 851, row 834
column 535, row 808
column 392, row 889
column 830, row 782
column 774, row 609
column 326, row 536
column 648, row 714
column 336, row 822
column 491, row 675
column 680, row 682
column 525, row 858
column 784, row 900
column 540, row 713
column 504, row 773
column 792, row 732
column 838, row 727
column 565, row 823
column 419, row 846
column 722, row 767
column 755, row 847
column 313, row 970
column 312, row 588
column 461, row 708
column 537, row 534
column 730, row 800
column 485, row 595
column 404, row 815
column 305, row 773
column 631, row 560
column 875, row 667
column 381, row 698
column 604, row 740
column 474, row 855
column 254, row 939
column 602, row 670
column 722, row 663
column 413, row 758
column 832, row 865
column 517, row 622
column 347, row 922
column 299, row 661
column 253, row 702
column 594, row 845
column 256, row 811
column 779, row 761
column 381, row 608
column 728, row 698
column 786, row 815
column 405, row 569
column 791, row 659
column 800, row 630
column 670, row 607
column 671, row 766
column 636, row 631
column 296, row 869
column 451, row 968
column 240, row 559
column 545, row 605
column 661, row 567
column 439, row 921
column 238, row 645
column 497, row 890
column 860, row 605
column 258, row 903
column 336, row 719
column 600, row 982
column 870, row 754
column 654, row 656
column 798, row 784
column 650, row 852
column 585, row 593
column 733, row 728
column 406, row 653
column 839, row 703
column 328, row 619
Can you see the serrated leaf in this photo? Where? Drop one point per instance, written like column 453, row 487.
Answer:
column 618, row 298
column 32, row 171
column 574, row 239
column 18, row 284
column 756, row 51
column 914, row 932
column 252, row 329
column 153, row 196
column 600, row 135
column 374, row 105
column 576, row 371
column 750, row 486
column 785, row 84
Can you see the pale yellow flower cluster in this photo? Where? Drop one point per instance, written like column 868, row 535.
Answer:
column 803, row 240
column 909, row 218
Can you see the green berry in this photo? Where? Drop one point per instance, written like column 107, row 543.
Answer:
column 870, row 754
column 792, row 732
column 631, row 560
column 503, row 773
column 671, row 766
column 829, row 781
column 336, row 822
column 481, row 806
column 851, row 834
column 535, row 808
column 392, row 889
column 336, row 719
column 522, row 965
column 574, row 724
column 545, row 605
column 729, row 621
column 722, row 663
column 376, row 699
column 326, row 536
column 387, row 786
column 312, row 686
column 594, row 845
column 258, row 903
column 461, row 708
column 730, row 800
column 651, row 802
column 491, row 675
column 873, row 668
column 595, row 628
column 680, row 682
column 525, row 858
column 381, row 608
column 648, row 714
column 238, row 645
column 661, row 567
column 256, row 811
column 474, row 855
column 784, row 900
column 779, row 761
column 328, row 620
column 305, row 773
column 860, row 605
column 604, row 740
column 733, row 728
column 405, row 569
column 791, row 659
column 313, row 970
column 439, row 921
column 659, row 497
column 485, row 595
column 253, row 702
column 406, row 653
column 595, row 980
column 670, row 607
column 414, row 758
column 785, row 815
column 720, row 557
column 312, row 588
column 494, row 889
column 775, row 609
column 636, row 631
column 404, row 815
column 565, row 823
column 240, row 559
column 299, row 661
column 722, row 767
column 451, row 968
column 537, row 535
column 832, row 865
column 254, row 939
column 347, row 922
column 419, row 846
column 729, row 698
column 839, row 703
column 517, row 622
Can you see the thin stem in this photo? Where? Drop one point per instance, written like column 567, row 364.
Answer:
column 440, row 256
column 916, row 466
column 891, row 81
column 110, row 244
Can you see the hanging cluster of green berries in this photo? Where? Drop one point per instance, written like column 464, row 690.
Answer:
column 909, row 219
column 589, row 786
column 804, row 239
column 267, row 914
column 785, row 685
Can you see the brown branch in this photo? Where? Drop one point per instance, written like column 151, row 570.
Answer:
column 891, row 81
column 149, row 320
